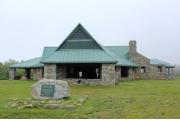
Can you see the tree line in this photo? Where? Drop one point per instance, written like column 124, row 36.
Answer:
column 4, row 69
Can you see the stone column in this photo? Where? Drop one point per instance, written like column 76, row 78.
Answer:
column 37, row 73
column 108, row 74
column 168, row 71
column 118, row 73
column 132, row 73
column 50, row 71
column 12, row 73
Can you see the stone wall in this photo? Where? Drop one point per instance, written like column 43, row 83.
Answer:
column 142, row 61
column 139, row 60
column 108, row 75
column 155, row 74
column 50, row 71
column 37, row 73
column 12, row 73
column 83, row 81
column 151, row 71
column 132, row 74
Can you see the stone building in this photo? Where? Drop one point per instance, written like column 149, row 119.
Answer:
column 81, row 59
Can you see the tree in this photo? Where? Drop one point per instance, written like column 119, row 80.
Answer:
column 4, row 69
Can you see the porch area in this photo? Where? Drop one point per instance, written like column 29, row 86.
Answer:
column 29, row 73
column 87, row 73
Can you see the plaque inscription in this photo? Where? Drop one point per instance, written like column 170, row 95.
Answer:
column 47, row 90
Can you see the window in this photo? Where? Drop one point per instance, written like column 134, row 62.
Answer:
column 124, row 71
column 117, row 69
column 143, row 69
column 159, row 68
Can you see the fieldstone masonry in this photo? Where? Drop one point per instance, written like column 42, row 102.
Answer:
column 50, row 71
column 37, row 73
column 12, row 73
column 108, row 74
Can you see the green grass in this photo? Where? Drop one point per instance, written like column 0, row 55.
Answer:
column 129, row 99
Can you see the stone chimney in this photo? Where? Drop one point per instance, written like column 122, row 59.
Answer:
column 132, row 46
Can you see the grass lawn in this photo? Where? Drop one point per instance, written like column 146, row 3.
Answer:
column 129, row 99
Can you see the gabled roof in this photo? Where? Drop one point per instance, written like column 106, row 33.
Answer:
column 79, row 38
column 160, row 63
column 32, row 63
column 78, row 47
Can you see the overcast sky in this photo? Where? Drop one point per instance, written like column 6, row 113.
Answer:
column 26, row 26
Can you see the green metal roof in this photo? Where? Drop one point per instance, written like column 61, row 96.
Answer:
column 160, row 62
column 120, row 54
column 121, row 51
column 110, row 55
column 48, row 51
column 78, row 47
column 79, row 56
column 32, row 63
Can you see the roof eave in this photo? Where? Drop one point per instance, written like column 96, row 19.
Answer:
column 54, row 62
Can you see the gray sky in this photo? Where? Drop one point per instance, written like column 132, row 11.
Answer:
column 26, row 26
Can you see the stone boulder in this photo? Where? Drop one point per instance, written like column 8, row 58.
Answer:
column 50, row 89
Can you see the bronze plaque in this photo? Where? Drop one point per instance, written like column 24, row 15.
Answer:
column 47, row 90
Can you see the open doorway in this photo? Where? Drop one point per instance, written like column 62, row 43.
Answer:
column 87, row 71
column 124, row 72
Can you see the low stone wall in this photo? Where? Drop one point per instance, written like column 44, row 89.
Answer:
column 83, row 81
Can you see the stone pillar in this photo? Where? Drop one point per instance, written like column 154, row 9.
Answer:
column 50, row 71
column 12, row 73
column 118, row 73
column 37, row 73
column 132, row 73
column 108, row 74
column 168, row 71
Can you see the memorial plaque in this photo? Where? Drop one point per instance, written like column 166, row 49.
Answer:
column 50, row 89
column 47, row 90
